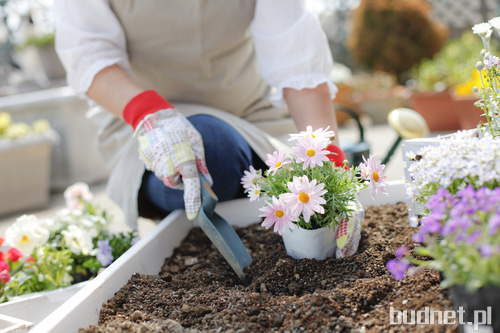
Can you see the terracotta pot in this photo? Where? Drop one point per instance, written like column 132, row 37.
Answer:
column 438, row 110
column 469, row 115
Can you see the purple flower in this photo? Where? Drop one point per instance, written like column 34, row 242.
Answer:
column 454, row 224
column 398, row 268
column 418, row 237
column 104, row 254
column 486, row 250
column 473, row 237
column 402, row 251
column 440, row 202
column 430, row 224
column 494, row 223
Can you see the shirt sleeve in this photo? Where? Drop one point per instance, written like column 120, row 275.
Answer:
column 89, row 38
column 291, row 47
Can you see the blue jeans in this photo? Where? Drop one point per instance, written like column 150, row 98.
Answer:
column 227, row 155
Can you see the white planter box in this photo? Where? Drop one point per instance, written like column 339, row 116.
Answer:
column 13, row 325
column 76, row 158
column 148, row 255
column 24, row 173
column 33, row 308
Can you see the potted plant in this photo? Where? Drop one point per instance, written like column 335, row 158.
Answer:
column 441, row 86
column 309, row 200
column 455, row 183
column 74, row 246
column 461, row 236
column 25, row 159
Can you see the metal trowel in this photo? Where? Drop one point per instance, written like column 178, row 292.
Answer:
column 221, row 233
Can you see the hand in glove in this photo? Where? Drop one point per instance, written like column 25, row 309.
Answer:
column 169, row 146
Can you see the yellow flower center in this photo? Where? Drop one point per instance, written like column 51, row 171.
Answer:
column 279, row 213
column 24, row 239
column 278, row 164
column 256, row 191
column 311, row 152
column 375, row 176
column 303, row 197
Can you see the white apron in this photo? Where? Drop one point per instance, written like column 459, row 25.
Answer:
column 199, row 55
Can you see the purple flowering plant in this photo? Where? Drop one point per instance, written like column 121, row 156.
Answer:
column 305, row 188
column 460, row 235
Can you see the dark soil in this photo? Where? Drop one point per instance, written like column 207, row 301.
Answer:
column 197, row 290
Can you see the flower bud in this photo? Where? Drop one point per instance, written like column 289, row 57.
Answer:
column 482, row 53
column 479, row 65
column 475, row 90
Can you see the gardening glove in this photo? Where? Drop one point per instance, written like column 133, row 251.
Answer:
column 349, row 233
column 337, row 156
column 169, row 146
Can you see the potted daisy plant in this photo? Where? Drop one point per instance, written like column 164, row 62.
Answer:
column 311, row 201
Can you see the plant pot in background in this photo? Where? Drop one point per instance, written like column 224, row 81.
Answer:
column 377, row 104
column 438, row 110
column 25, row 173
column 310, row 243
column 485, row 299
column 469, row 115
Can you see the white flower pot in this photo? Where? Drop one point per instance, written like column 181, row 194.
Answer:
column 310, row 243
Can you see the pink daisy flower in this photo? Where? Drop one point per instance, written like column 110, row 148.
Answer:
column 250, row 178
column 276, row 214
column 323, row 135
column 305, row 198
column 254, row 192
column 276, row 161
column 310, row 151
column 372, row 170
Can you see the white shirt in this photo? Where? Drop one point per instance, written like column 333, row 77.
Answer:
column 90, row 38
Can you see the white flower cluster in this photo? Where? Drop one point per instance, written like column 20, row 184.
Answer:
column 489, row 90
column 456, row 161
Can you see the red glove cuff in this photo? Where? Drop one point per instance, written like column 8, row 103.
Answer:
column 338, row 158
column 147, row 102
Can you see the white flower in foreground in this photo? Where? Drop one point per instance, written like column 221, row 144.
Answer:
column 323, row 135
column 275, row 213
column 495, row 23
column 276, row 160
column 75, row 194
column 483, row 30
column 78, row 240
column 26, row 234
column 311, row 151
column 254, row 193
column 306, row 197
column 372, row 170
column 250, row 178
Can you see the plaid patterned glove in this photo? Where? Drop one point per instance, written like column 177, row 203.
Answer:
column 169, row 146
